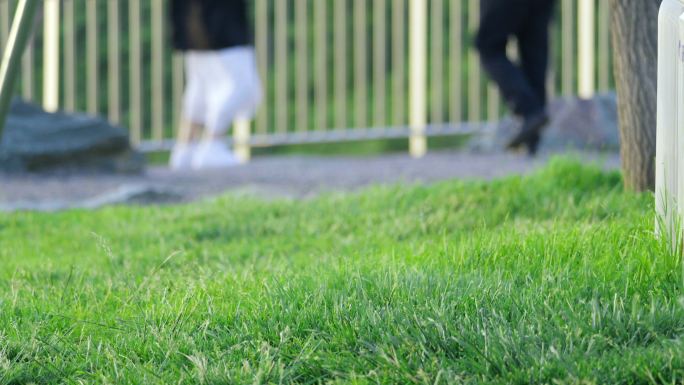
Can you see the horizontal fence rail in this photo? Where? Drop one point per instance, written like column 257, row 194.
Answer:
column 333, row 70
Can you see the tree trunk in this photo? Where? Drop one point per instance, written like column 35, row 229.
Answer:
column 635, row 39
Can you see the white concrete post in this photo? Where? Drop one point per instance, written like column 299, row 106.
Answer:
column 51, row 55
column 675, row 226
column 417, row 77
column 669, row 117
column 586, row 50
column 241, row 136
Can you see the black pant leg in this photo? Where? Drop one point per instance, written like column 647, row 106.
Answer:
column 533, row 41
column 499, row 21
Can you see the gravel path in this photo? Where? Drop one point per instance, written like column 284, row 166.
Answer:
column 270, row 177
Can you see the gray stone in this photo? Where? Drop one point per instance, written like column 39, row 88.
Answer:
column 575, row 125
column 38, row 141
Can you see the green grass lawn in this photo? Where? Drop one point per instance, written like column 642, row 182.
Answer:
column 553, row 278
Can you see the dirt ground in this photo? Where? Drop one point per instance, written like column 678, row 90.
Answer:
column 295, row 177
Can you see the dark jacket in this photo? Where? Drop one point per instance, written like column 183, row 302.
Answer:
column 209, row 24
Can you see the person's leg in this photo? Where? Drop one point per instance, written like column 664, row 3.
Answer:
column 500, row 20
column 533, row 40
column 193, row 115
column 229, row 96
column 533, row 43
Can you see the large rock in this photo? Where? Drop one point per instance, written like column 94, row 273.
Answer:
column 35, row 141
column 575, row 124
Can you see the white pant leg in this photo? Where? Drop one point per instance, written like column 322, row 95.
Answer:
column 234, row 90
column 195, row 93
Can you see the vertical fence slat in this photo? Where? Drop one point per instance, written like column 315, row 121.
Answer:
column 261, row 37
column 51, row 55
column 437, row 57
column 551, row 87
column 157, row 75
column 418, row 77
column 92, row 71
column 604, row 51
column 321, row 25
column 586, row 48
column 113, row 61
column 177, row 83
column 340, row 25
column 456, row 57
column 135, row 68
column 379, row 62
column 474, row 76
column 568, row 46
column 360, row 60
column 493, row 103
column 5, row 13
column 398, row 62
column 27, row 76
column 69, row 56
column 302, row 60
column 280, row 64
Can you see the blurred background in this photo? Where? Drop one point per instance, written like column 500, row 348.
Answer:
column 335, row 71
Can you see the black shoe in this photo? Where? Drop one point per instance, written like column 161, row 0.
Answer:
column 530, row 133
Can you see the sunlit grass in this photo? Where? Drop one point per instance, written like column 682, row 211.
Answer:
column 552, row 277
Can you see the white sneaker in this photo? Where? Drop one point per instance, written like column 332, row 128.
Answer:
column 182, row 155
column 213, row 154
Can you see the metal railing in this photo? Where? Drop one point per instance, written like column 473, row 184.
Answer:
column 333, row 70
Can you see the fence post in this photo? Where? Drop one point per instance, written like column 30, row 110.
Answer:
column 670, row 68
column 417, row 77
column 241, row 136
column 51, row 55
column 586, row 49
column 18, row 38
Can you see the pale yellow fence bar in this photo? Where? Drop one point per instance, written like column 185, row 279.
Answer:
column 51, row 55
column 568, row 47
column 261, row 37
column 320, row 37
column 417, row 76
column 493, row 103
column 135, row 69
column 437, row 58
column 604, row 50
column 551, row 88
column 27, row 77
column 5, row 13
column 158, row 86
column 379, row 62
column 456, row 55
column 474, row 73
column 398, row 62
column 69, row 56
column 113, row 61
column 586, row 49
column 302, row 66
column 241, row 137
column 340, row 25
column 281, row 99
column 360, row 61
column 92, row 70
column 177, row 83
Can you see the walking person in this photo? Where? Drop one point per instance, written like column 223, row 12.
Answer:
column 222, row 79
column 523, row 86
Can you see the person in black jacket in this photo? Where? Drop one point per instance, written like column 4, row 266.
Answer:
column 523, row 86
column 222, row 79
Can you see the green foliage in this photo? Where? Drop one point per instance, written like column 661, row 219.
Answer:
column 550, row 278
